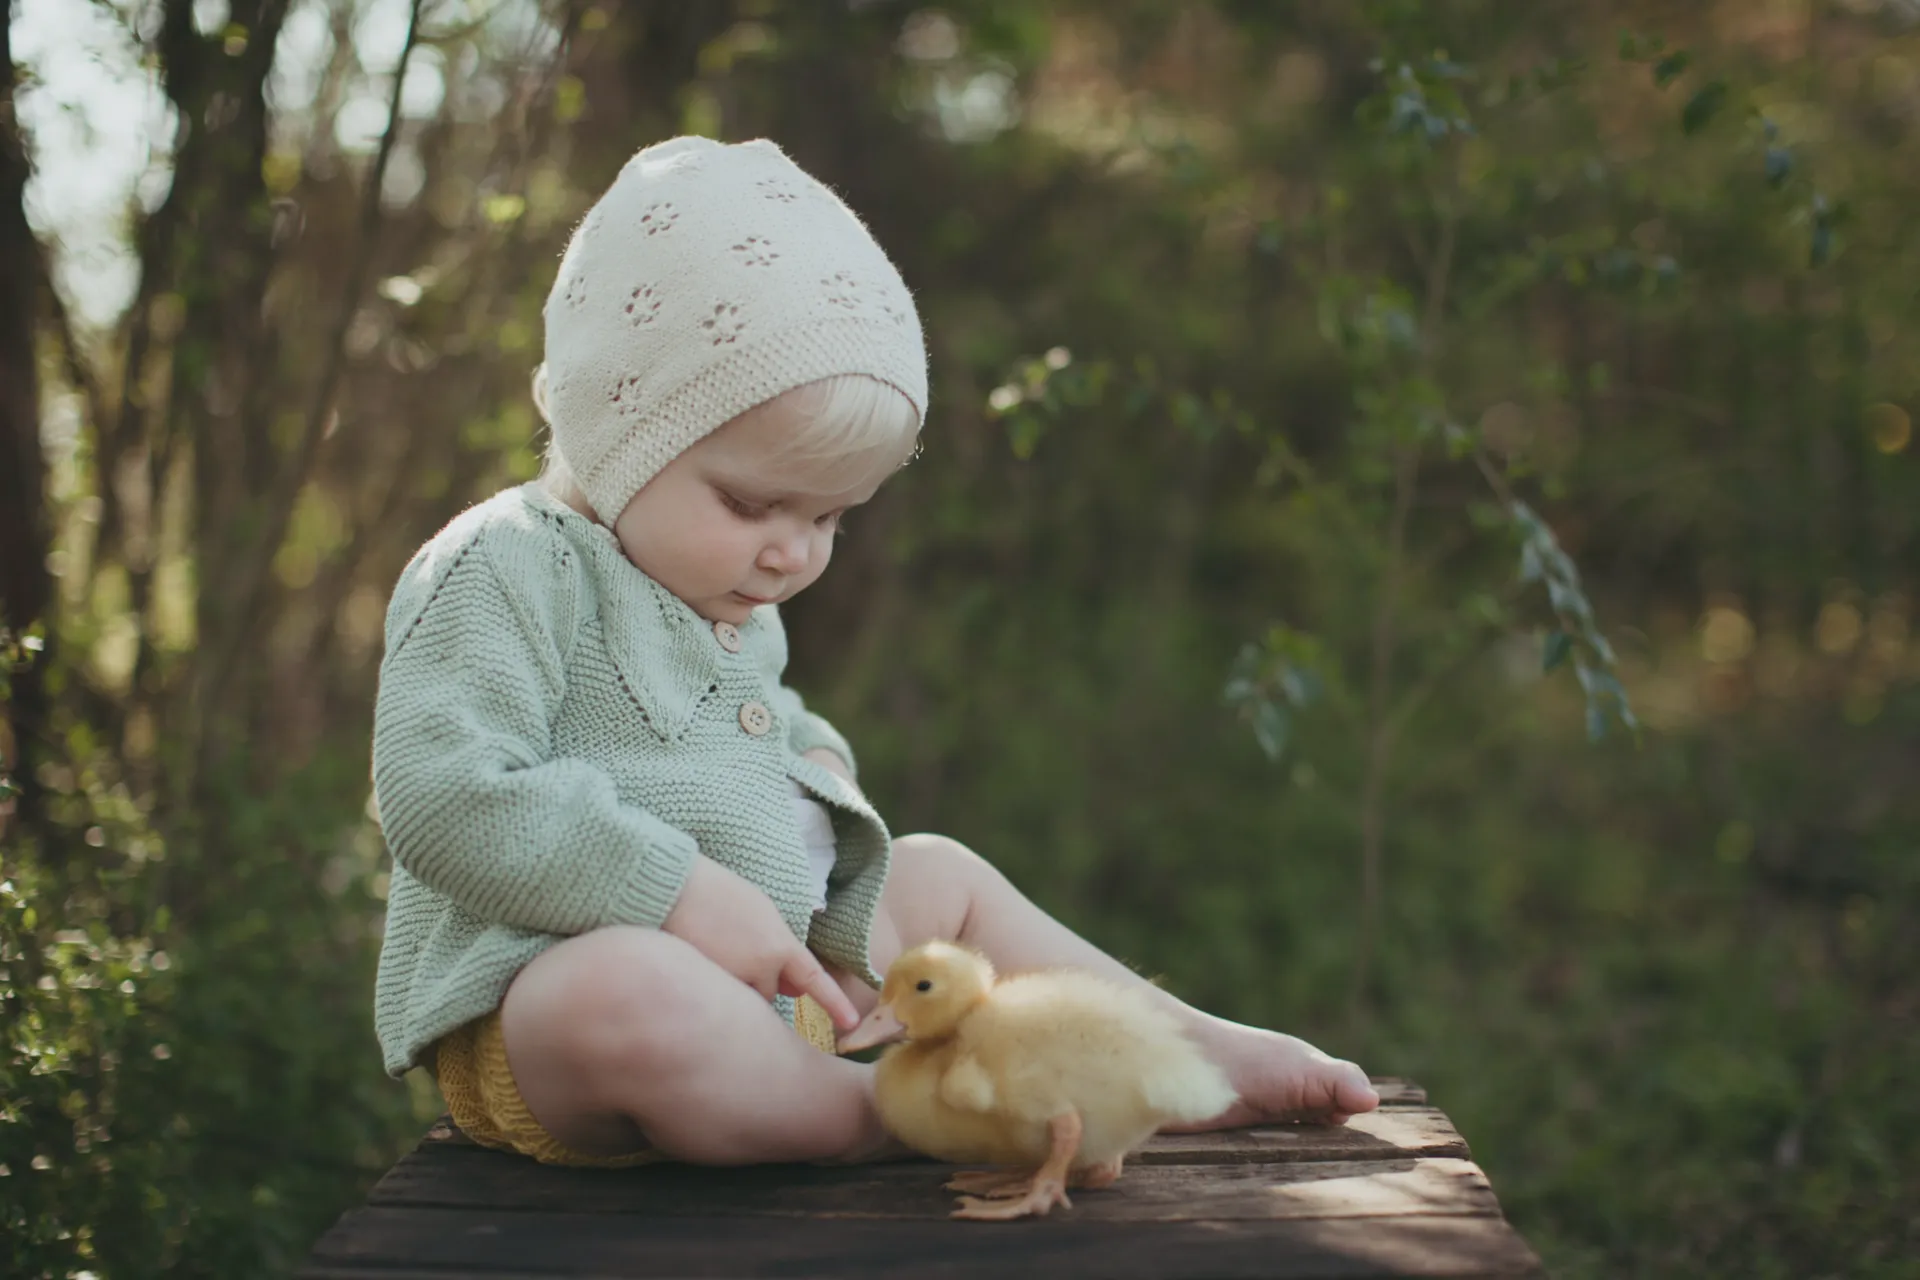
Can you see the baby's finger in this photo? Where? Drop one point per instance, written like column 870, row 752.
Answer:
column 804, row 975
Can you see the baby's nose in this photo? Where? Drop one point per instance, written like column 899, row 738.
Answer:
column 787, row 555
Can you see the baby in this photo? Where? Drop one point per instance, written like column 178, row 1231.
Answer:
column 635, row 885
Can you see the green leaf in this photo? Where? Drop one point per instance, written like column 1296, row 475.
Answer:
column 1669, row 68
column 1554, row 652
column 1271, row 724
column 1530, row 566
column 1300, row 685
column 1023, row 434
column 1703, row 106
column 1779, row 165
column 1820, row 250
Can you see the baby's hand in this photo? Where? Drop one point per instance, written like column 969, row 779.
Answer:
column 832, row 763
column 735, row 925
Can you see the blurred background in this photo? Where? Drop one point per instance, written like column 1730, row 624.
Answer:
column 1417, row 542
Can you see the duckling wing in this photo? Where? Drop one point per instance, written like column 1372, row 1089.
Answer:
column 967, row 1086
column 955, row 1122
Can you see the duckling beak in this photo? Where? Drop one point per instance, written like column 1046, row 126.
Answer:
column 877, row 1027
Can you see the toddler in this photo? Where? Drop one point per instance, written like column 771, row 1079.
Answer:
column 636, row 887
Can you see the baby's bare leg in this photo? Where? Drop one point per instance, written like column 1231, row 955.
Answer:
column 625, row 1036
column 940, row 889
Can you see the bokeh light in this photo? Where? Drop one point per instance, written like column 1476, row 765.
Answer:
column 1890, row 427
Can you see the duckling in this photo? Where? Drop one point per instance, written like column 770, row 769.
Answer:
column 1055, row 1075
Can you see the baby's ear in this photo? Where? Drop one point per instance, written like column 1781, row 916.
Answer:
column 539, row 388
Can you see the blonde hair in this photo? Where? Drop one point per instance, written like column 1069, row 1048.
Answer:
column 837, row 417
column 847, row 414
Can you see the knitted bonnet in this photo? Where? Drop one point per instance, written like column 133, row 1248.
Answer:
column 708, row 279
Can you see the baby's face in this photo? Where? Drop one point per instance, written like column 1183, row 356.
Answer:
column 734, row 522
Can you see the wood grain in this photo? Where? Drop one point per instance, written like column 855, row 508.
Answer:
column 1386, row 1134
column 1153, row 1193
column 376, row 1241
column 1392, row 1193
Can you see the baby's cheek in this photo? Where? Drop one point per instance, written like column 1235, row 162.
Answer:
column 819, row 557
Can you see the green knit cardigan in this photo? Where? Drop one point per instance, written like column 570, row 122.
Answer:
column 555, row 736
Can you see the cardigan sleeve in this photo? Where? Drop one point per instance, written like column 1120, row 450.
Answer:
column 471, row 799
column 805, row 729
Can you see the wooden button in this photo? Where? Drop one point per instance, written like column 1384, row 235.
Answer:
column 728, row 635
column 755, row 718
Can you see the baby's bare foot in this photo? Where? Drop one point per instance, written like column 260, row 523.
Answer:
column 1283, row 1078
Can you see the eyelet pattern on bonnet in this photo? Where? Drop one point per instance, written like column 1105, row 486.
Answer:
column 708, row 279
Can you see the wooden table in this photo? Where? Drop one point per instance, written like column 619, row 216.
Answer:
column 1394, row 1193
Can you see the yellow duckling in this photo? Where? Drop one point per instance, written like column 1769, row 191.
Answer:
column 1057, row 1074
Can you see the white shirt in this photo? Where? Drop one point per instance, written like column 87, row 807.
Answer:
column 816, row 830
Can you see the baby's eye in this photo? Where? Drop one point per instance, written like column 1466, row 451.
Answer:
column 745, row 510
column 833, row 521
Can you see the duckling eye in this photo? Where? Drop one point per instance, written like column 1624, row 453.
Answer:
column 925, row 984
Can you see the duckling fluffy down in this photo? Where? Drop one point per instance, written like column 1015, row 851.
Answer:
column 1040, row 1045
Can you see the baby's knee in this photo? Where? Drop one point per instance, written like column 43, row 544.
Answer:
column 932, row 886
column 934, row 867
column 924, row 852
column 605, row 1004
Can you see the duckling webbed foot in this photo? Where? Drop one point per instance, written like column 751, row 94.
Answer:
column 1046, row 1188
column 994, row 1184
column 1034, row 1195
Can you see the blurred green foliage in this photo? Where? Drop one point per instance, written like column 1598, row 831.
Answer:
column 1288, row 360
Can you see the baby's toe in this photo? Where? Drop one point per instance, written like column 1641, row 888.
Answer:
column 1349, row 1093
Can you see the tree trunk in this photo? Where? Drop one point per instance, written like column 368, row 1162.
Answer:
column 25, row 585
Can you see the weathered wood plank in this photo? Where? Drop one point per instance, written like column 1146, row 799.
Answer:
column 1396, row 1092
column 1154, row 1193
column 418, row 1243
column 1387, row 1134
column 1390, row 1194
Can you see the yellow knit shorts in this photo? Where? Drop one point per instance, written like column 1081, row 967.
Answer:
column 470, row 1066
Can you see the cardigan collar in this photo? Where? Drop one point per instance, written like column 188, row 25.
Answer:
column 668, row 653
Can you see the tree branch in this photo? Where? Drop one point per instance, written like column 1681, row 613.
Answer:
column 1382, row 726
column 251, row 581
column 1379, row 737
